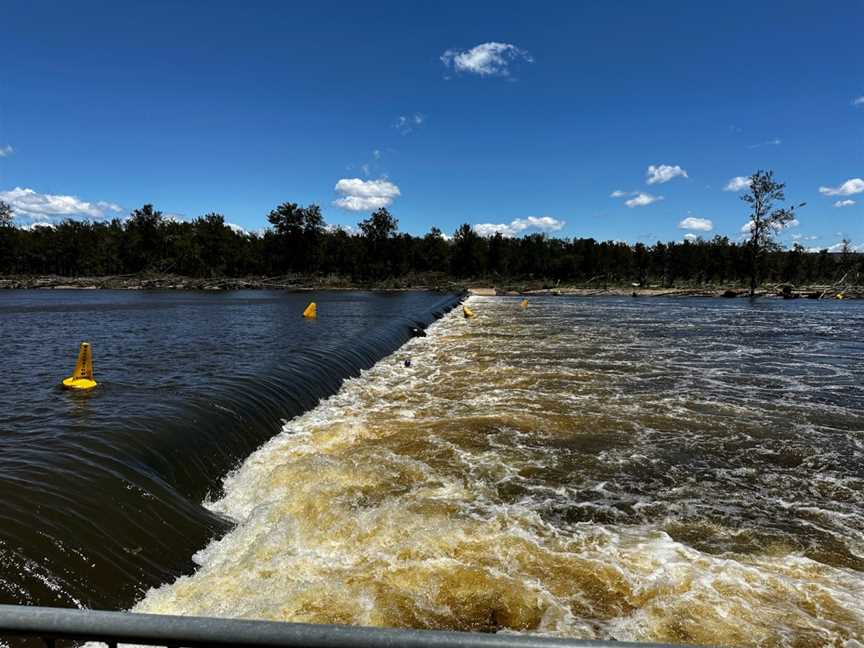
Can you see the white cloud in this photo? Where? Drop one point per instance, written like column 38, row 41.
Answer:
column 697, row 224
column 365, row 195
column 747, row 227
column 6, row 151
column 406, row 124
column 664, row 173
column 858, row 101
column 642, row 199
column 838, row 247
column 772, row 142
column 348, row 229
column 691, row 237
column 370, row 167
column 519, row 225
column 38, row 225
column 618, row 194
column 844, row 203
column 486, row 59
column 848, row 188
column 34, row 206
column 738, row 183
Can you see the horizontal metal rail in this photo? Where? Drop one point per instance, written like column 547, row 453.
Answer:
column 112, row 628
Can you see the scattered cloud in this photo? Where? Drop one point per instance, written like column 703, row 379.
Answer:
column 838, row 247
column 844, row 203
column 697, row 224
column 801, row 237
column 849, row 188
column 348, row 229
column 38, row 207
column 691, row 237
column 642, row 199
column 747, row 227
column 370, row 167
column 38, row 225
column 520, row 225
column 618, row 194
column 486, row 59
column 772, row 142
column 6, row 151
column 408, row 123
column 663, row 173
column 365, row 195
column 858, row 101
column 738, row 183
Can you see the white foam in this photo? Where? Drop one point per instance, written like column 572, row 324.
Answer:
column 384, row 506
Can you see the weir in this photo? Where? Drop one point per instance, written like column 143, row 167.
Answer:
column 51, row 624
column 105, row 503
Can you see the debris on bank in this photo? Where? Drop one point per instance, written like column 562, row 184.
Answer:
column 178, row 282
column 434, row 281
column 778, row 291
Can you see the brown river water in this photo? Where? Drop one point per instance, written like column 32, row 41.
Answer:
column 658, row 470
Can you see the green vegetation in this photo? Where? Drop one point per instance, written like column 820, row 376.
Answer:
column 765, row 221
column 299, row 242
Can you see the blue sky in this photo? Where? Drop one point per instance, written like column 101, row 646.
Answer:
column 524, row 116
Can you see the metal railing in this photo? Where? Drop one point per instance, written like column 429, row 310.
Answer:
column 113, row 628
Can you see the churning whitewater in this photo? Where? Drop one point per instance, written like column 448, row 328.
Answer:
column 598, row 469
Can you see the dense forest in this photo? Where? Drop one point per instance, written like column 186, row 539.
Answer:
column 298, row 241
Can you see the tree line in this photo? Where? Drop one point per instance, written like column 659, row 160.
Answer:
column 299, row 242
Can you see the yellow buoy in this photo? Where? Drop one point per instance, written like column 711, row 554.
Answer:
column 468, row 313
column 311, row 311
column 523, row 303
column 840, row 295
column 82, row 378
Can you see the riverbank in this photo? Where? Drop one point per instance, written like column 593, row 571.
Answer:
column 414, row 282
column 805, row 292
column 179, row 282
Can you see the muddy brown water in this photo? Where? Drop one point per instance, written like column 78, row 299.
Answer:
column 683, row 470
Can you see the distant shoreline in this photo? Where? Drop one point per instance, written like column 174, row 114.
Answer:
column 803, row 293
column 306, row 284
column 178, row 282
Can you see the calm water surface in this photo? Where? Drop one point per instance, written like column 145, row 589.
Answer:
column 102, row 491
column 679, row 470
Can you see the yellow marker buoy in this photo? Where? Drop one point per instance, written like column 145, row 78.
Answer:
column 840, row 295
column 468, row 313
column 311, row 311
column 82, row 378
column 523, row 303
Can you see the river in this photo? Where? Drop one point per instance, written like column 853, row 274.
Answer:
column 682, row 470
column 102, row 491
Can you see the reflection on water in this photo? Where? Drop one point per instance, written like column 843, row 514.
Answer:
column 667, row 471
column 102, row 490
